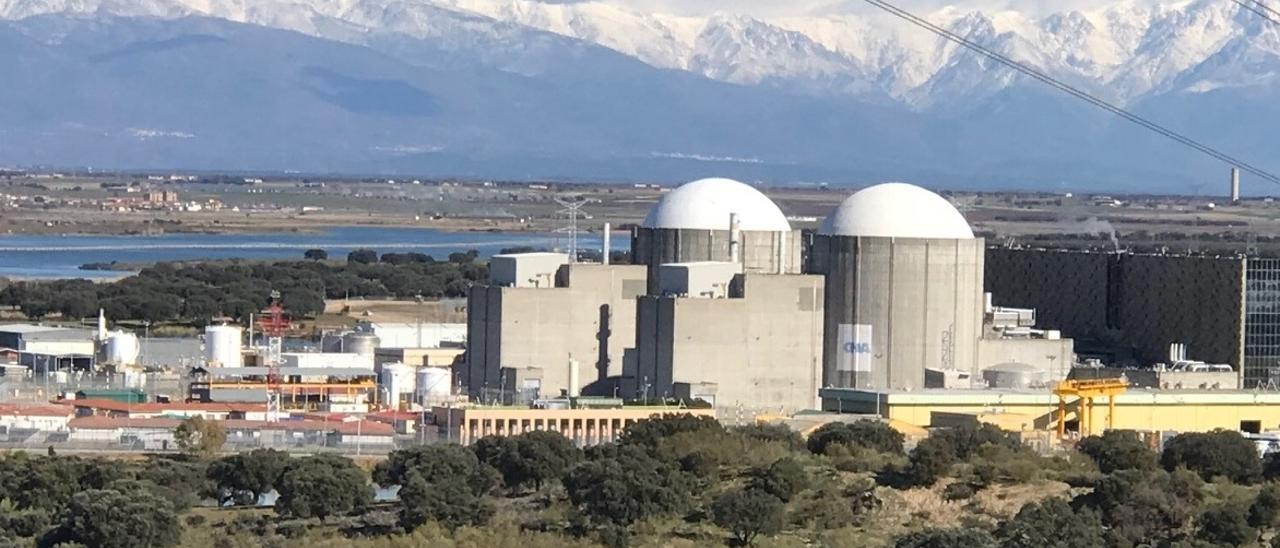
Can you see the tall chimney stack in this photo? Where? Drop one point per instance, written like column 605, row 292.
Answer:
column 1235, row 185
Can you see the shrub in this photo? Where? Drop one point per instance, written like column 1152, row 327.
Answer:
column 748, row 513
column 931, row 458
column 960, row 537
column 321, row 486
column 959, row 491
column 112, row 519
column 1226, row 524
column 1265, row 508
column 1118, row 450
column 447, row 501
column 626, row 487
column 864, row 433
column 1218, row 453
column 1052, row 522
column 779, row 433
column 783, row 479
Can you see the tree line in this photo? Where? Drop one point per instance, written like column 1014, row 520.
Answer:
column 197, row 293
column 673, row 481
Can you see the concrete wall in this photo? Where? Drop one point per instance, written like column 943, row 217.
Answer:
column 1055, row 357
column 525, row 269
column 761, row 350
column 1146, row 302
column 534, row 331
column 921, row 297
column 760, row 251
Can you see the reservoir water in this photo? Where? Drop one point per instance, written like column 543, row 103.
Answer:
column 56, row 256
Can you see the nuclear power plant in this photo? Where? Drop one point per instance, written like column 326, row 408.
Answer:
column 739, row 309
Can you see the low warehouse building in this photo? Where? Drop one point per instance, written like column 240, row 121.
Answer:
column 1136, row 409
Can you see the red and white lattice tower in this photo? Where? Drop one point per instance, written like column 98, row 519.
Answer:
column 274, row 324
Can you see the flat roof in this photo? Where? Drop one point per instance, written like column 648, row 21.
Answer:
column 359, row 427
column 48, row 332
column 23, row 328
column 939, row 396
column 530, row 254
column 696, row 264
column 292, row 371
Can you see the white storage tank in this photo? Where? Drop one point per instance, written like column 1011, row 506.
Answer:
column 122, row 348
column 359, row 342
column 434, row 384
column 133, row 377
column 398, row 381
column 222, row 346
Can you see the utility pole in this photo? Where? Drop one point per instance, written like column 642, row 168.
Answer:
column 572, row 209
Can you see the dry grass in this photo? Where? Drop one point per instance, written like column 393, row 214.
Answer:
column 1003, row 501
column 451, row 311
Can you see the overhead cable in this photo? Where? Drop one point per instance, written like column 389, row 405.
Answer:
column 1077, row 92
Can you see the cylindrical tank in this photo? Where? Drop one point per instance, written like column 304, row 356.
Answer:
column 122, row 348
column 360, row 343
column 434, row 384
column 222, row 346
column 397, row 380
column 332, row 343
column 574, row 378
column 1013, row 376
column 133, row 377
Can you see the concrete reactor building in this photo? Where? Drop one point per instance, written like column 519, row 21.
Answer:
column 728, row 319
column 904, row 298
column 718, row 220
column 544, row 326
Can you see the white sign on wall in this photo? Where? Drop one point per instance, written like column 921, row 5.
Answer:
column 855, row 348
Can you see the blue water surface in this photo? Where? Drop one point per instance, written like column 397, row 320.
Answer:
column 55, row 256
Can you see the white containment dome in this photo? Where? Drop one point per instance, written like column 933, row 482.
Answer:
column 706, row 204
column 897, row 210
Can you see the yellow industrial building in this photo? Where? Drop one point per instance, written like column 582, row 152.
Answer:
column 1021, row 410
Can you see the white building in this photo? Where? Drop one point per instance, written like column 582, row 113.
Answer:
column 418, row 334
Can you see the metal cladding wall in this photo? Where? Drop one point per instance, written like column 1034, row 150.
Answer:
column 922, row 299
column 760, row 251
column 1144, row 301
column 1040, row 279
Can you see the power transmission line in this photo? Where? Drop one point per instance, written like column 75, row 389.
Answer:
column 1078, row 93
column 1254, row 5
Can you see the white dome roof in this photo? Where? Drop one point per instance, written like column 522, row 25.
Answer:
column 706, row 204
column 897, row 210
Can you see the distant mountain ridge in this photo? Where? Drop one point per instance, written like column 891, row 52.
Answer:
column 518, row 88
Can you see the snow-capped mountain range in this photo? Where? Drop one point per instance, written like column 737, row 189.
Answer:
column 1191, row 64
column 1124, row 51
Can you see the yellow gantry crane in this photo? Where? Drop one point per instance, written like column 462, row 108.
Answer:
column 1086, row 390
